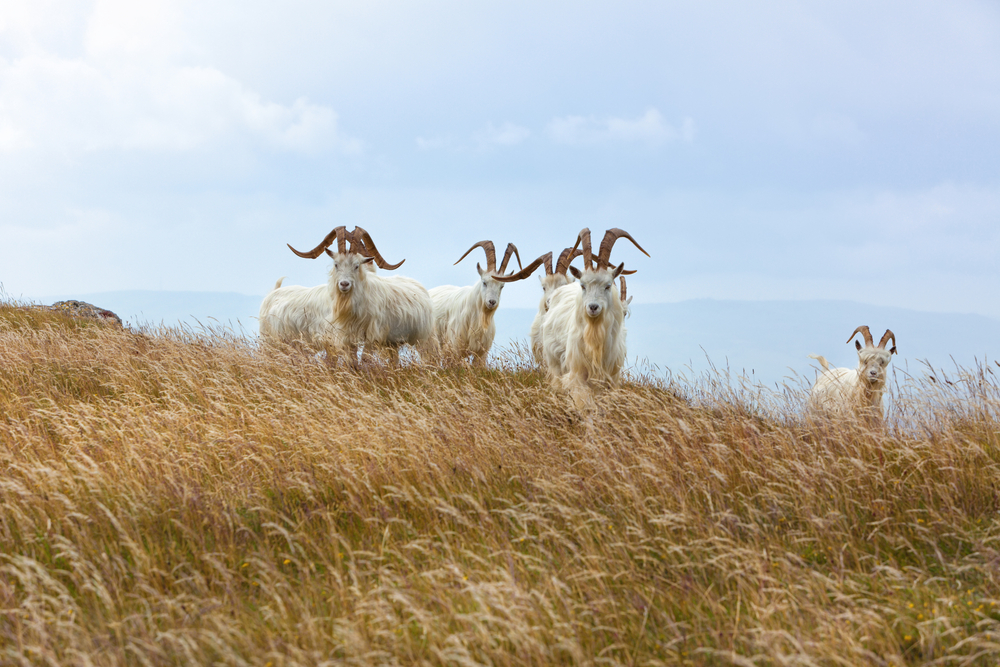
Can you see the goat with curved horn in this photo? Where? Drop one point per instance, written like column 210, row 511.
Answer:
column 356, row 307
column 840, row 392
column 463, row 316
column 582, row 338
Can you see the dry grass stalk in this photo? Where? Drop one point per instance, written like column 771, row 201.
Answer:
column 172, row 498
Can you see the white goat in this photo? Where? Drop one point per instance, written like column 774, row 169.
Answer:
column 843, row 391
column 551, row 281
column 582, row 335
column 356, row 307
column 463, row 316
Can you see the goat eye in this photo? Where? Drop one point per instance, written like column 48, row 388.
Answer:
column 607, row 287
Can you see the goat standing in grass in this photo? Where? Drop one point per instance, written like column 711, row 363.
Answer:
column 463, row 316
column 848, row 391
column 582, row 335
column 356, row 306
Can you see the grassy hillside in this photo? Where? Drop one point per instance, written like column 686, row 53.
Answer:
column 168, row 499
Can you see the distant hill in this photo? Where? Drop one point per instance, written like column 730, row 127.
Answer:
column 767, row 340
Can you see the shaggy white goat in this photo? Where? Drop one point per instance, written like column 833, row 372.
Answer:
column 551, row 281
column 582, row 335
column 356, row 307
column 841, row 391
column 463, row 316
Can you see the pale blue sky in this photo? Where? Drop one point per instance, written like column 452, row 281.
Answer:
column 772, row 150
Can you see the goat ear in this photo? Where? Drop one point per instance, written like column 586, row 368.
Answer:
column 327, row 251
column 857, row 344
column 479, row 269
column 892, row 350
column 576, row 272
column 618, row 271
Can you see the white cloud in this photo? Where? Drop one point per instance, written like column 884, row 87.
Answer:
column 650, row 129
column 125, row 88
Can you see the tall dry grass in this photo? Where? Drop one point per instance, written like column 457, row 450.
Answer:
column 180, row 498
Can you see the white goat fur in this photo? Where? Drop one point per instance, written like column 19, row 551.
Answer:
column 550, row 283
column 580, row 350
column 357, row 306
column 850, row 391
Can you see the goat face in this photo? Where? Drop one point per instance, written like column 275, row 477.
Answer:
column 598, row 293
column 348, row 269
column 873, row 364
column 489, row 289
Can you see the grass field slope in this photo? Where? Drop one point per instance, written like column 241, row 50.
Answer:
column 169, row 498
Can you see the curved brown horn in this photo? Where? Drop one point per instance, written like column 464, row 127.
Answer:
column 372, row 251
column 337, row 234
column 864, row 332
column 357, row 245
column 627, row 272
column 566, row 258
column 610, row 236
column 491, row 254
column 885, row 338
column 583, row 241
column 529, row 269
column 624, row 292
column 511, row 248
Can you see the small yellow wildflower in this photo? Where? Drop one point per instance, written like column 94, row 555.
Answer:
column 287, row 561
column 245, row 565
column 908, row 637
column 910, row 605
column 920, row 617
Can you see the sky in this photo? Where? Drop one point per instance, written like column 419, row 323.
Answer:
column 758, row 151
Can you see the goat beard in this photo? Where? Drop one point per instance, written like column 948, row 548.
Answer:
column 342, row 302
column 595, row 336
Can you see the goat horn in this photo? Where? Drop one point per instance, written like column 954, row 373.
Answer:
column 491, row 254
column 885, row 338
column 864, row 332
column 566, row 258
column 372, row 251
column 624, row 292
column 511, row 248
column 583, row 242
column 545, row 259
column 337, row 234
column 610, row 236
column 357, row 245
